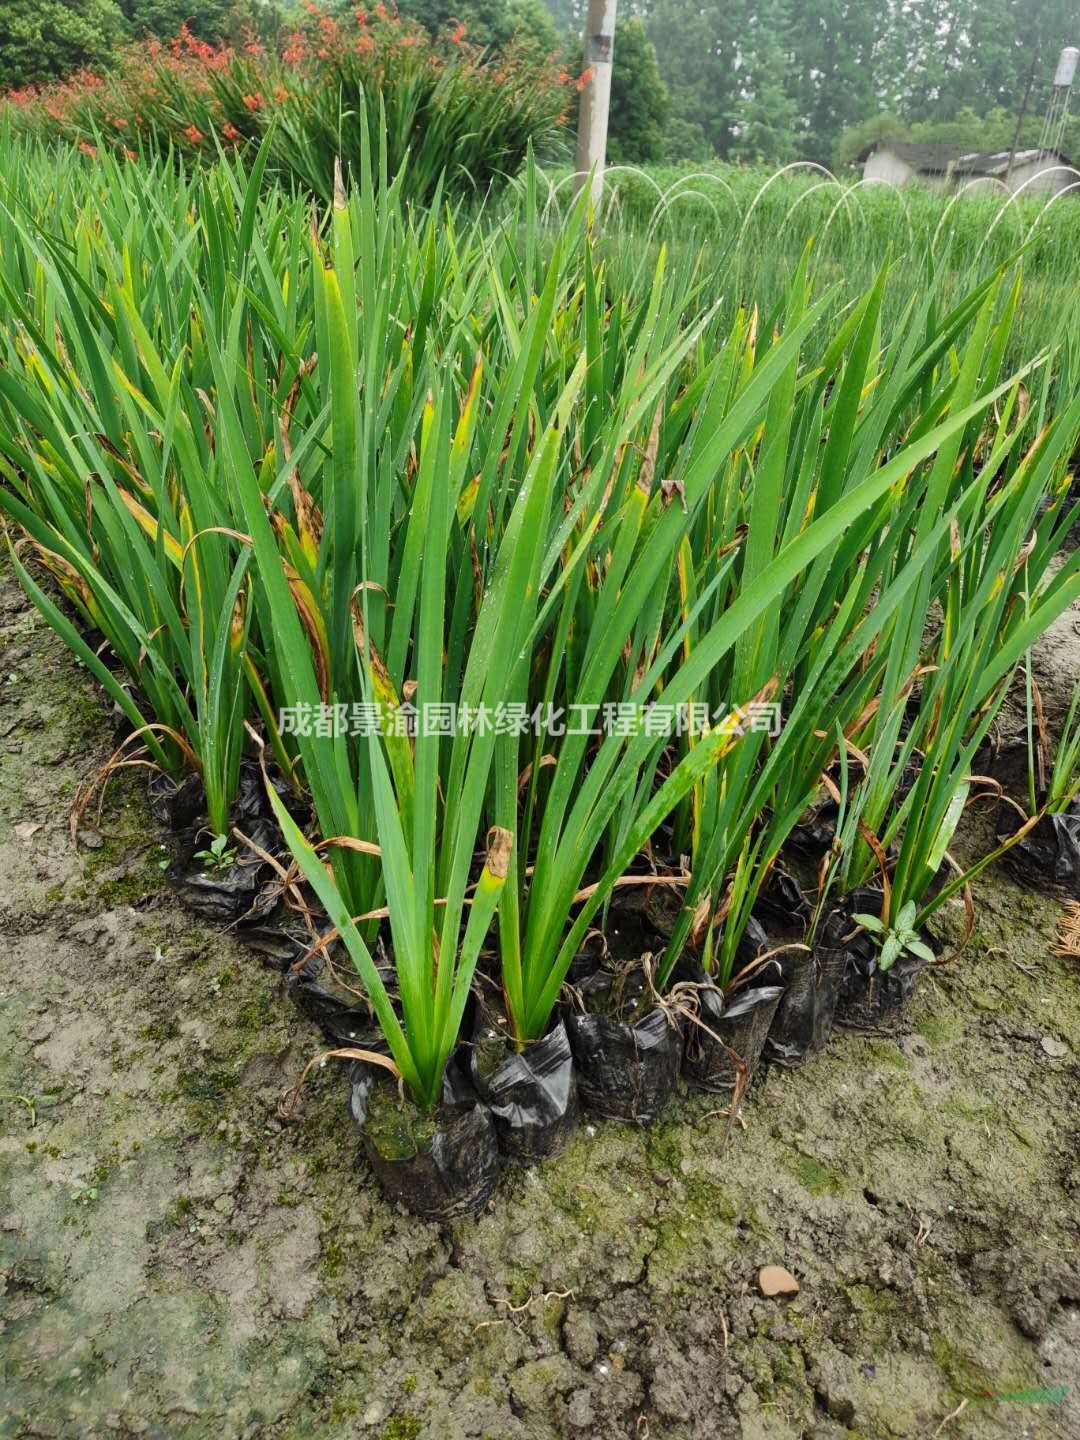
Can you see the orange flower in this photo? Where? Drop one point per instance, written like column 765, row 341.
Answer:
column 131, row 154
column 381, row 11
column 361, row 17
column 458, row 33
column 88, row 149
column 194, row 134
column 295, row 49
column 281, row 95
column 584, row 78
column 119, row 122
column 254, row 102
column 194, row 46
column 364, row 44
column 230, row 131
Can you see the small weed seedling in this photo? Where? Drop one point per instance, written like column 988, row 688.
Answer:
column 220, row 856
column 898, row 939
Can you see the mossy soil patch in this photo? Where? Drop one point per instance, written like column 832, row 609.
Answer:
column 175, row 1262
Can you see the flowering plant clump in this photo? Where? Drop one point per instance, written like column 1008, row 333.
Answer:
column 446, row 105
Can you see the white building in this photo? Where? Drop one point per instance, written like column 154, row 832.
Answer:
column 947, row 167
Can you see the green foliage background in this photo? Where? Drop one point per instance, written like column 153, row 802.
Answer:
column 776, row 80
column 43, row 38
column 747, row 81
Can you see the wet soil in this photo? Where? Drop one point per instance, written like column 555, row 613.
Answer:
column 174, row 1261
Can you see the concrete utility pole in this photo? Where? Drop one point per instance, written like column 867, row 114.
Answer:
column 596, row 95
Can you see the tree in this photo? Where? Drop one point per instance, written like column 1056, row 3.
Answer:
column 698, row 50
column 208, row 19
column 765, row 130
column 41, row 39
column 488, row 23
column 1012, row 41
column 569, row 18
column 530, row 20
column 639, row 99
column 684, row 140
column 832, row 76
column 270, row 20
column 771, row 79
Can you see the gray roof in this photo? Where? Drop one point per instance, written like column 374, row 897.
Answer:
column 937, row 159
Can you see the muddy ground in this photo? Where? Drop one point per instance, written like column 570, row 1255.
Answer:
column 175, row 1262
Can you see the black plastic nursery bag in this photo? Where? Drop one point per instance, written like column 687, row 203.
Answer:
column 741, row 1024
column 438, row 1170
column 532, row 1096
column 625, row 1071
column 1049, row 855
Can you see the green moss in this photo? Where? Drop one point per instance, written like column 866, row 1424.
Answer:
column 708, row 1201
column 121, row 890
column 813, row 1176
column 986, row 1000
column 401, row 1427
column 205, row 1085
column 887, row 1054
column 343, row 1408
column 333, row 1258
column 774, row 1368
column 975, row 1108
column 254, row 1015
column 665, row 1148
column 936, row 1030
column 965, row 1375
column 398, row 1131
column 160, row 1030
column 180, row 1209
column 522, row 1285
column 879, row 1314
column 1027, row 1136
column 111, row 890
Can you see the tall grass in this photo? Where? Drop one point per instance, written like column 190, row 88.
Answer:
column 752, row 226
column 410, row 459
